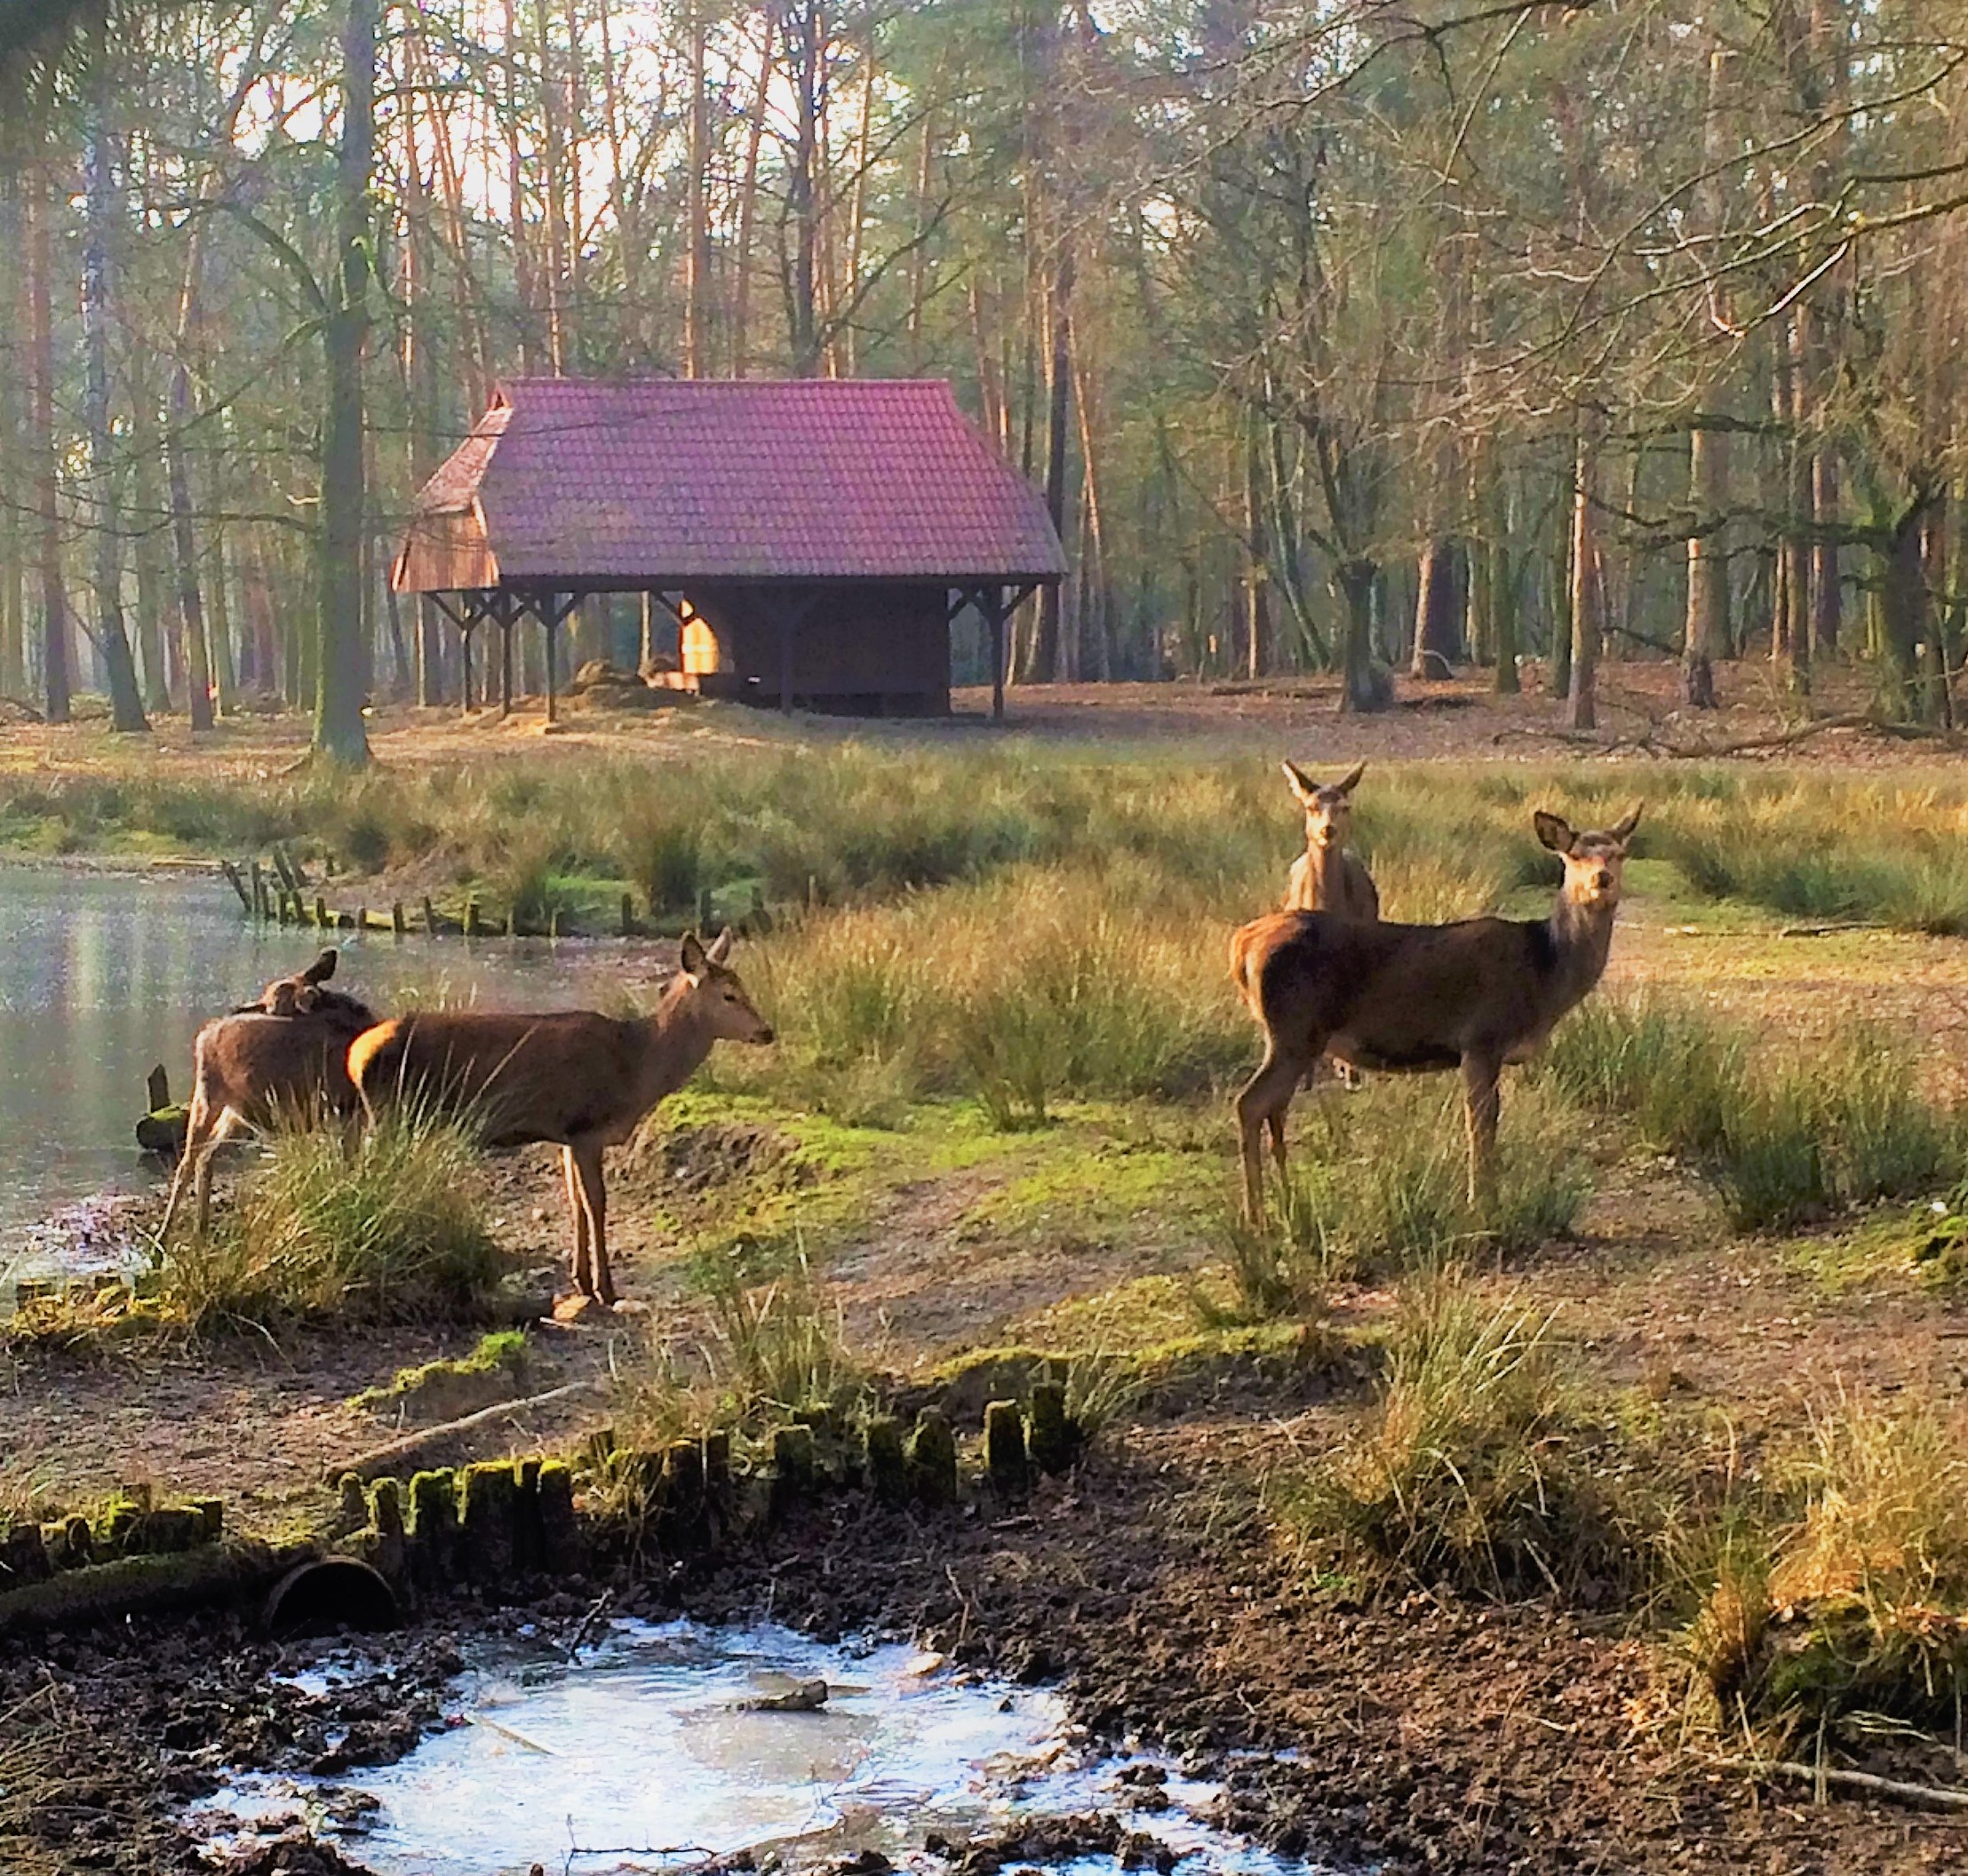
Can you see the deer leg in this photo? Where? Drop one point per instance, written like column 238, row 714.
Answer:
column 1261, row 1107
column 230, row 1123
column 587, row 1161
column 1482, row 1101
column 197, row 1120
column 577, row 1269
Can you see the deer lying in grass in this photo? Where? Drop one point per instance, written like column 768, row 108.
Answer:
column 1410, row 998
column 281, row 1059
column 581, row 1080
column 1325, row 877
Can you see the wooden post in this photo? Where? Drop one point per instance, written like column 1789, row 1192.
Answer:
column 506, row 665
column 994, row 611
column 786, row 659
column 550, row 617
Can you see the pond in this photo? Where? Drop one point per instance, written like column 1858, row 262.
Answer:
column 102, row 975
column 652, row 1755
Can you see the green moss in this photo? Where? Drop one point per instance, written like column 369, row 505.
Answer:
column 444, row 1388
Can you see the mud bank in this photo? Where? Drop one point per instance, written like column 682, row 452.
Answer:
column 1424, row 1737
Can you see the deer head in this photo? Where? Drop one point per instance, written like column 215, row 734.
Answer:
column 1328, row 808
column 713, row 995
column 1592, row 861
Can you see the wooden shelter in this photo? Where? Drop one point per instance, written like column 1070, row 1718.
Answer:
column 814, row 538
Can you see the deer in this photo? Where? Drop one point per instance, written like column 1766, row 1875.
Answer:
column 281, row 1059
column 1411, row 998
column 574, row 1078
column 1325, row 877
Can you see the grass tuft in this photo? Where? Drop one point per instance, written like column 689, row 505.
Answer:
column 1474, row 1466
column 393, row 1231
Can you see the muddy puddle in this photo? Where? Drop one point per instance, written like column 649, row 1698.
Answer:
column 665, row 1747
column 104, row 975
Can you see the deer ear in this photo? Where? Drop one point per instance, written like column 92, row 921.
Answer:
column 1300, row 782
column 1622, row 831
column 720, row 946
column 690, row 954
column 1554, row 830
column 322, row 969
column 1349, row 783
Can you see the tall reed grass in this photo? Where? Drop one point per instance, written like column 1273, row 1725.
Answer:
column 1379, row 1187
column 1786, row 1133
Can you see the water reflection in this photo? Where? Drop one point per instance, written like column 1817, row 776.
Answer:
column 102, row 975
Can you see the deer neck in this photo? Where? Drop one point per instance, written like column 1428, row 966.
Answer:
column 678, row 1040
column 1581, row 940
column 1326, row 864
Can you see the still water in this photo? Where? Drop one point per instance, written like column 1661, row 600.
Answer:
column 644, row 1758
column 103, row 976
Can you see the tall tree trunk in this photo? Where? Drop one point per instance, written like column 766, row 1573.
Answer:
column 191, row 611
column 1901, row 598
column 126, row 712
column 218, row 636
column 1582, row 712
column 41, row 423
column 748, row 202
column 1257, row 606
column 1362, row 686
column 1505, row 637
column 1045, row 657
column 1706, row 636
column 1793, row 549
column 802, row 193
column 147, row 513
column 1826, row 600
column 696, row 246
column 14, row 502
column 1438, row 636
column 339, row 730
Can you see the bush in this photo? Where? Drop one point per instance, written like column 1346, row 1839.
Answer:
column 392, row 1232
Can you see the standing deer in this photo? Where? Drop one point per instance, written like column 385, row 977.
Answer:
column 1325, row 877
column 1411, row 997
column 582, row 1081
column 281, row 1059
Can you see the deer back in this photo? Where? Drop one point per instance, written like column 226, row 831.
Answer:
column 266, row 1066
column 555, row 1076
column 1402, row 996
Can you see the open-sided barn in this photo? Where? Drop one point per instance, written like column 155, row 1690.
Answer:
column 814, row 537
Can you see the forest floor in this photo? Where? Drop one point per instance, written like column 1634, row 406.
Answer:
column 1155, row 1584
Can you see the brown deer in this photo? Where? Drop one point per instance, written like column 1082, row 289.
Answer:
column 1325, row 877
column 1411, row 997
column 281, row 1060
column 583, row 1081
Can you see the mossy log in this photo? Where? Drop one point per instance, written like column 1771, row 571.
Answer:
column 1005, row 1456
column 888, row 1464
column 933, row 1459
column 1052, row 1439
column 211, row 1573
column 486, row 1515
column 564, row 1552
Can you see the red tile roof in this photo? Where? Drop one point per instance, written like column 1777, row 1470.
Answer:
column 707, row 479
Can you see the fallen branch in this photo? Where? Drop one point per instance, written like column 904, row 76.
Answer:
column 393, row 1452
column 1936, row 1795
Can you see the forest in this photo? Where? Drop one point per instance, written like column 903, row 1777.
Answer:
column 1360, row 337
